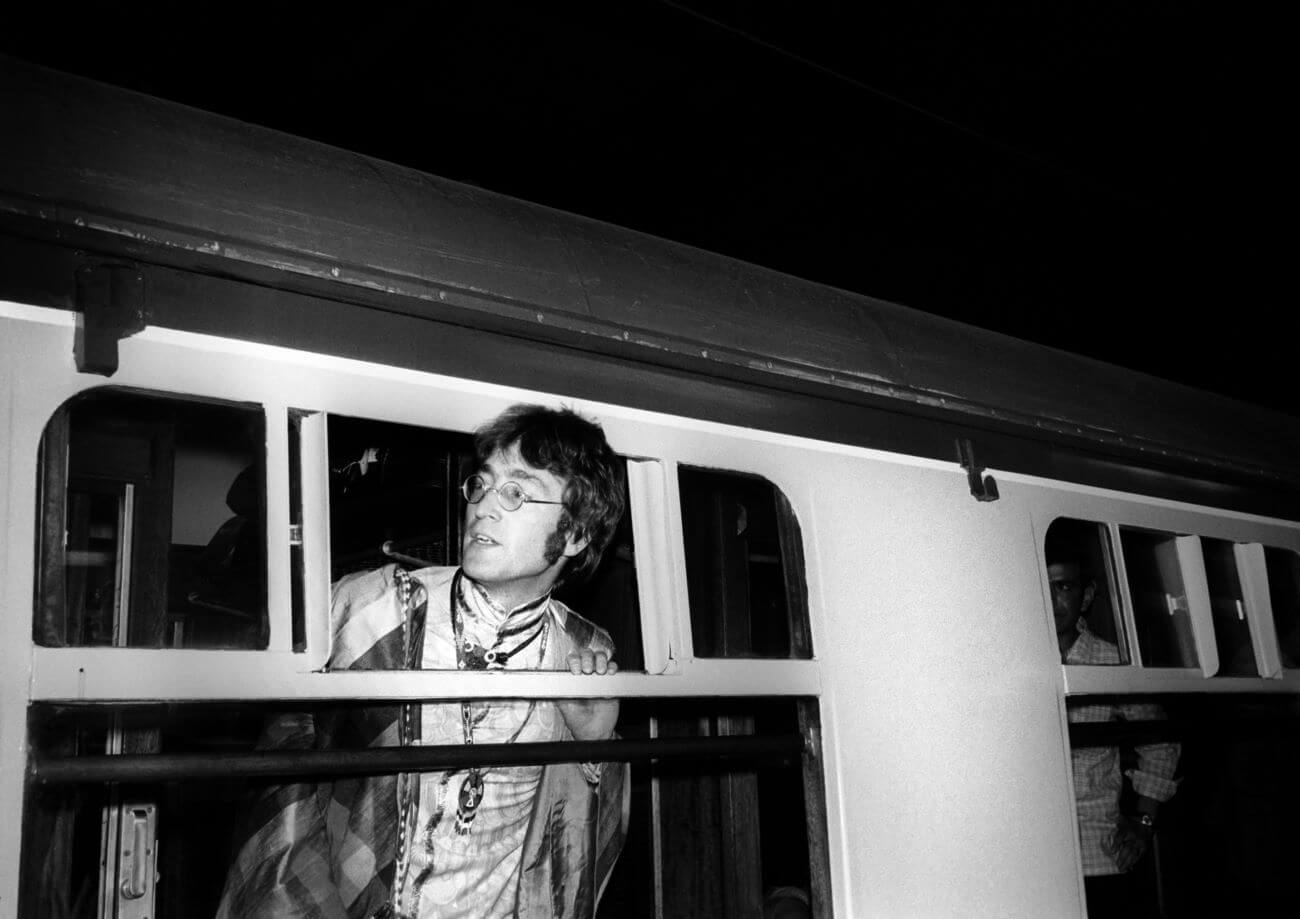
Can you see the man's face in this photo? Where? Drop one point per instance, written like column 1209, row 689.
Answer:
column 1071, row 597
column 507, row 551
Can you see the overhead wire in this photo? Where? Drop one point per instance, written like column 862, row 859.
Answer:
column 1038, row 160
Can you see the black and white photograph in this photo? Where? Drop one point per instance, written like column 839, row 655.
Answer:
column 648, row 460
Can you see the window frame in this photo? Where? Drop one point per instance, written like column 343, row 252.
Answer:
column 1188, row 526
column 311, row 387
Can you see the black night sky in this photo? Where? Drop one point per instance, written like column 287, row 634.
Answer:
column 1112, row 179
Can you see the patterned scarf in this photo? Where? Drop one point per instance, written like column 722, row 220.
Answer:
column 520, row 628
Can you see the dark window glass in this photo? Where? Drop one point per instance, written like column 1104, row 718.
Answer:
column 394, row 494
column 1160, row 610
column 1082, row 549
column 744, row 567
column 729, row 832
column 153, row 524
column 1284, row 594
column 1231, row 628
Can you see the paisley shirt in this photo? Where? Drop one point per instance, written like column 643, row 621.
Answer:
column 467, row 875
column 347, row 848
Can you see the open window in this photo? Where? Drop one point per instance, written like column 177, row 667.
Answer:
column 334, row 495
column 1079, row 561
column 710, row 830
column 395, row 499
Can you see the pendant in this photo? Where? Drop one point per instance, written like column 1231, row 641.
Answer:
column 472, row 656
column 471, row 795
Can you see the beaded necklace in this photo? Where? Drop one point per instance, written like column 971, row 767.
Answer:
column 472, row 656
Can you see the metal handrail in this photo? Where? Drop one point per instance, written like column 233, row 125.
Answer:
column 161, row 767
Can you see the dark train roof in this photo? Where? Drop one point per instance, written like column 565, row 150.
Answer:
column 84, row 161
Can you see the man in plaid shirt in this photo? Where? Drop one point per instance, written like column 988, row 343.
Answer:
column 1113, row 842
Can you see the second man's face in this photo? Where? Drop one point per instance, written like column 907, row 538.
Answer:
column 1071, row 596
column 506, row 552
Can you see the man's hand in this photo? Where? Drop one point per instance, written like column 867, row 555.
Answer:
column 1129, row 842
column 588, row 661
column 590, row 719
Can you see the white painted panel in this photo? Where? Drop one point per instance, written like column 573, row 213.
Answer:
column 941, row 676
column 1191, row 560
column 654, row 563
column 1252, row 569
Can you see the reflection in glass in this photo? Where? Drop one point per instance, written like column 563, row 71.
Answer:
column 1228, row 606
column 744, row 567
column 98, row 549
column 153, row 524
column 1160, row 608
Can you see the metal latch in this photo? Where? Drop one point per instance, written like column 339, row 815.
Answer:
column 111, row 300
column 983, row 487
column 137, row 861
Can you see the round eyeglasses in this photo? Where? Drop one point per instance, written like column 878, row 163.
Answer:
column 509, row 494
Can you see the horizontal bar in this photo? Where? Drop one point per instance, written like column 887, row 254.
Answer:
column 138, row 768
column 1128, row 733
column 1122, row 733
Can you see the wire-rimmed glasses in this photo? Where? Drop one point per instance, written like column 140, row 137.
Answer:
column 510, row 495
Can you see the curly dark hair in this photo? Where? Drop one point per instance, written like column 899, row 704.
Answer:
column 569, row 446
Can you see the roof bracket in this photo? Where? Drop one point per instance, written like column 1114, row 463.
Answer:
column 110, row 300
column 982, row 487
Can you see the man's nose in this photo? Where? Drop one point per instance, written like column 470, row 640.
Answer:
column 484, row 509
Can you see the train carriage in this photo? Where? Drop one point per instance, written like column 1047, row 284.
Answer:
column 239, row 365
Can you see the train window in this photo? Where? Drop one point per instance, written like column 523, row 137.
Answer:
column 707, row 832
column 395, row 499
column 1084, row 598
column 394, row 494
column 744, row 567
column 1160, row 605
column 1222, row 767
column 726, row 832
column 1228, row 608
column 153, row 524
column 1284, row 595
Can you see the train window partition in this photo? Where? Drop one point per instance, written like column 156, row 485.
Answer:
column 1086, row 545
column 1161, row 608
column 1283, row 567
column 708, row 833
column 153, row 523
column 395, row 499
column 744, row 567
column 1232, row 635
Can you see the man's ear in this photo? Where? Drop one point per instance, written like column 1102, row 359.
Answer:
column 575, row 543
column 1088, row 593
